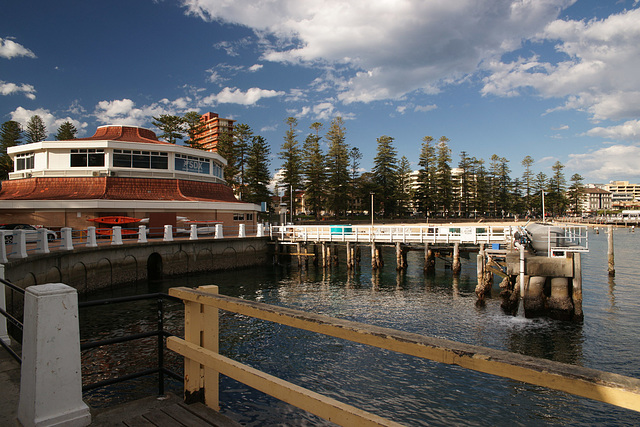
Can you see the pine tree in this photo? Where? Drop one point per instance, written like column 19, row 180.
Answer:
column 444, row 185
column 242, row 138
column 557, row 186
column 337, row 167
column 575, row 193
column 36, row 130
column 405, row 195
column 540, row 185
column 10, row 136
column 527, row 181
column 257, row 174
column 290, row 156
column 66, row 131
column 354, row 165
column 314, row 169
column 500, row 185
column 172, row 127
column 482, row 193
column 385, row 176
column 466, row 184
column 194, row 127
column 426, row 190
column 226, row 148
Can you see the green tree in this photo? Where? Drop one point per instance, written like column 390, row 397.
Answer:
column 444, row 185
column 425, row 193
column 10, row 136
column 66, row 131
column 36, row 130
column 557, row 199
column 500, row 185
column 172, row 127
column 354, row 171
column 527, row 181
column 466, row 184
column 314, row 169
column 290, row 155
column 540, row 184
column 405, row 194
column 242, row 139
column 337, row 167
column 385, row 176
column 257, row 176
column 482, row 190
column 194, row 127
column 226, row 148
column 575, row 193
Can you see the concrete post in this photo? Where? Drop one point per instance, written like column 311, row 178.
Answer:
column 168, row 233
column 42, row 244
column 219, row 234
column 374, row 260
column 50, row 379
column 260, row 230
column 4, row 333
column 456, row 266
column 534, row 300
column 193, row 235
column 349, row 257
column 19, row 244
column 142, row 234
column 91, row 237
column 116, row 235
column 3, row 248
column 242, row 231
column 323, row 247
column 611, row 263
column 67, row 238
column 559, row 304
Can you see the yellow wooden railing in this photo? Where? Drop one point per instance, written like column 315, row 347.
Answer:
column 203, row 364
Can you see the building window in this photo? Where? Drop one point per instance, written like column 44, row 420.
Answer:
column 140, row 159
column 218, row 170
column 192, row 164
column 24, row 161
column 238, row 217
column 91, row 157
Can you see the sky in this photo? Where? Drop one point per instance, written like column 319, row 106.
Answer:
column 557, row 80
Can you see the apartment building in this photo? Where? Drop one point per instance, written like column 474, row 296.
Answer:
column 214, row 128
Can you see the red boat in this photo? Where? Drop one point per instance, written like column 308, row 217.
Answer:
column 115, row 220
column 108, row 231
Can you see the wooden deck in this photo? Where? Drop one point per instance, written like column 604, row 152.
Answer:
column 166, row 412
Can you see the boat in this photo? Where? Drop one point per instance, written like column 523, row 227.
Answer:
column 115, row 220
column 203, row 226
column 123, row 232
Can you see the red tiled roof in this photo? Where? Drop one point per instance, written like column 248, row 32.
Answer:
column 114, row 188
column 124, row 133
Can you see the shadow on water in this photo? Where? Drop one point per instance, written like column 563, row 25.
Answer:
column 403, row 388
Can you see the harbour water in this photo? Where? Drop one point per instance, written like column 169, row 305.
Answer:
column 402, row 388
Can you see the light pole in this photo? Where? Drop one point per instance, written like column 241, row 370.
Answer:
column 544, row 216
column 291, row 197
column 372, row 208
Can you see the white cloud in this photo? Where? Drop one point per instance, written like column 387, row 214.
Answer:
column 425, row 108
column 599, row 73
column 609, row 163
column 255, row 67
column 51, row 122
column 628, row 131
column 10, row 49
column 7, row 88
column 236, row 96
column 124, row 112
column 382, row 49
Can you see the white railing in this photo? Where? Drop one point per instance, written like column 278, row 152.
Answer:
column 394, row 233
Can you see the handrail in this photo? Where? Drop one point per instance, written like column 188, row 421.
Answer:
column 159, row 332
column 10, row 318
column 607, row 387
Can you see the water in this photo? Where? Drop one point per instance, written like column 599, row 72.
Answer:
column 403, row 388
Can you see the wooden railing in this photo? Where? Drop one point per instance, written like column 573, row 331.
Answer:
column 203, row 364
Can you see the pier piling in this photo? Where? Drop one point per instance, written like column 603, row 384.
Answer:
column 611, row 263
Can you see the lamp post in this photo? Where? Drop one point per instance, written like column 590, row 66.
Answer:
column 544, row 216
column 291, row 197
column 372, row 193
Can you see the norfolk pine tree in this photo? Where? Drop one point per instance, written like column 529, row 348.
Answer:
column 194, row 127
column 257, row 174
column 10, row 136
column 290, row 156
column 242, row 138
column 385, row 175
column 314, row 169
column 36, row 130
column 444, row 195
column 172, row 127
column 426, row 176
column 337, row 167
column 66, row 131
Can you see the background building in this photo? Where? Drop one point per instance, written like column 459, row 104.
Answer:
column 214, row 128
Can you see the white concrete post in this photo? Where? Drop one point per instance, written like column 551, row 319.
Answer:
column 4, row 333
column 168, row 233
column 3, row 248
column 50, row 378
column 219, row 234
column 91, row 237
column 116, row 235
column 19, row 244
column 42, row 244
column 260, row 230
column 242, row 230
column 142, row 234
column 194, row 232
column 67, row 238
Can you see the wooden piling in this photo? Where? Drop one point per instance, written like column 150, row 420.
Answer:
column 401, row 257
column 611, row 268
column 480, row 265
column 576, row 295
column 374, row 257
column 349, row 257
column 456, row 266
column 429, row 259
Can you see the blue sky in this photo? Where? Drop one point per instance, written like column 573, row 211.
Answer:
column 553, row 79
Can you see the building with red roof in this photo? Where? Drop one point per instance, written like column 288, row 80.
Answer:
column 120, row 170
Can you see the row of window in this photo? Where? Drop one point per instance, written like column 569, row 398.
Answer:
column 94, row 157
column 243, row 217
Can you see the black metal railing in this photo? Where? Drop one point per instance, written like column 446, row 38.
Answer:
column 11, row 319
column 160, row 333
